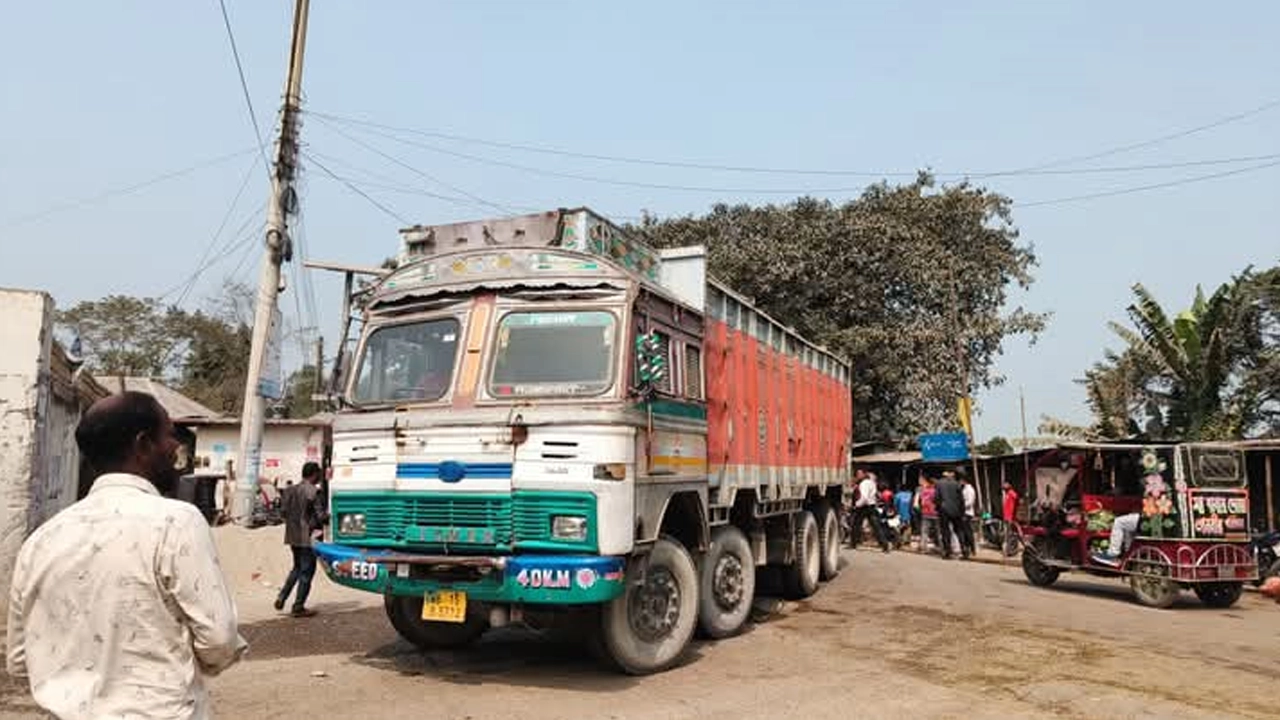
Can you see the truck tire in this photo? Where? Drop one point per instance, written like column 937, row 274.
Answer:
column 828, row 540
column 800, row 579
column 728, row 584
column 405, row 614
column 647, row 628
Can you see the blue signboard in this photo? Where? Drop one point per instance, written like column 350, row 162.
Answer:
column 944, row 447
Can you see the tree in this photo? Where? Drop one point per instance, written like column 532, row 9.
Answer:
column 909, row 283
column 995, row 446
column 122, row 335
column 1198, row 375
column 300, row 389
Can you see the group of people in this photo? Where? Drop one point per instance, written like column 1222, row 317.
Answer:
column 118, row 605
column 941, row 511
column 947, row 507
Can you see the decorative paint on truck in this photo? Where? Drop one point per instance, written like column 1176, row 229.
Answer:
column 547, row 420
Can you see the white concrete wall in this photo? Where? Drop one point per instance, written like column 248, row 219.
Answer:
column 26, row 337
column 285, row 449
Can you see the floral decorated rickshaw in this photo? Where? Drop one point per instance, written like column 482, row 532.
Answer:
column 1179, row 512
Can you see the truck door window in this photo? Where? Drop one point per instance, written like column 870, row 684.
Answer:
column 409, row 362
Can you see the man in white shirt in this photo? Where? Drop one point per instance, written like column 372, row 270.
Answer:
column 864, row 508
column 118, row 606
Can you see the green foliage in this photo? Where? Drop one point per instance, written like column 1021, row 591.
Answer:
column 910, row 283
column 203, row 354
column 1207, row 373
column 995, row 446
column 300, row 389
column 122, row 335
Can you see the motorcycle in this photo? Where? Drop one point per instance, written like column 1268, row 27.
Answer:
column 891, row 523
column 1266, row 549
column 993, row 531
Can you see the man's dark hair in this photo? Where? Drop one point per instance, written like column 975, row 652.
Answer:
column 106, row 433
column 310, row 470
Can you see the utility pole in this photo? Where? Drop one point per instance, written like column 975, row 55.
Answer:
column 279, row 249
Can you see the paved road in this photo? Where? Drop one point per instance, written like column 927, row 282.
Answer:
column 896, row 636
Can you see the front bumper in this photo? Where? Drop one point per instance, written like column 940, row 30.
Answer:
column 532, row 579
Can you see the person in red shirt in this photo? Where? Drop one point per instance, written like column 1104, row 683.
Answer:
column 1010, row 515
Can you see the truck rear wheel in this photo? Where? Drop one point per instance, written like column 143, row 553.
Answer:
column 647, row 629
column 405, row 614
column 728, row 583
column 828, row 540
column 801, row 578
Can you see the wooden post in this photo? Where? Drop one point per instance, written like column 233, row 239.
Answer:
column 1271, row 505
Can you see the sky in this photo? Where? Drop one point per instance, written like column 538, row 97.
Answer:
column 126, row 143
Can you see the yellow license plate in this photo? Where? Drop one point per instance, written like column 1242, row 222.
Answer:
column 445, row 606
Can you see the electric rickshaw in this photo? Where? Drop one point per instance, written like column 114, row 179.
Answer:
column 1165, row 516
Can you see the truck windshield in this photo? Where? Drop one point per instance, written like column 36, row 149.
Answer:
column 554, row 353
column 413, row 361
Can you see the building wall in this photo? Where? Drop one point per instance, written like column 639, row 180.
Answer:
column 40, row 406
column 285, row 449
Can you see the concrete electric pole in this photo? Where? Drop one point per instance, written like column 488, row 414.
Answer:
column 279, row 249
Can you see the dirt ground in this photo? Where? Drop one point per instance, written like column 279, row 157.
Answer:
column 895, row 636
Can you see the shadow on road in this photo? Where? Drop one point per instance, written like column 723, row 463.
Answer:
column 508, row 656
column 1117, row 590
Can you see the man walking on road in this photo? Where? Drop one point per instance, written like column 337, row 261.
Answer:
column 951, row 517
column 118, row 606
column 304, row 514
column 864, row 508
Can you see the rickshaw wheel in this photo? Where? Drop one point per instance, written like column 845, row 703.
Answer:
column 1219, row 595
column 1038, row 573
column 1156, row 592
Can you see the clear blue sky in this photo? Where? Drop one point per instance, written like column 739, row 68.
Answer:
column 110, row 94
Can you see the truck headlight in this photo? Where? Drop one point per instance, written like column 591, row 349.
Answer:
column 351, row 524
column 568, row 527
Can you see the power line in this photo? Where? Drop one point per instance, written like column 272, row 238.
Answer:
column 226, row 217
column 351, row 186
column 416, row 171
column 126, row 190
column 1153, row 186
column 387, row 183
column 1157, row 140
column 594, row 178
column 245, row 237
column 244, row 86
column 772, row 170
column 629, row 183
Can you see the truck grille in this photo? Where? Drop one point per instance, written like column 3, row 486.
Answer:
column 462, row 523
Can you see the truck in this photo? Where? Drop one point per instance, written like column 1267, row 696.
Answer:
column 546, row 421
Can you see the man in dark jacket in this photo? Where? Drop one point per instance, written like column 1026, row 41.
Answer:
column 304, row 514
column 951, row 518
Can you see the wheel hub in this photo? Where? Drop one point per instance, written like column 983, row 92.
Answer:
column 655, row 605
column 727, row 582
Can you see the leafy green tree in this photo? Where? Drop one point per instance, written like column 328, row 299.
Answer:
column 301, row 386
column 995, row 446
column 910, row 283
column 1202, row 374
column 122, row 335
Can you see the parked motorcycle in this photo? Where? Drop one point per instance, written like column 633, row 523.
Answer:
column 993, row 531
column 1266, row 549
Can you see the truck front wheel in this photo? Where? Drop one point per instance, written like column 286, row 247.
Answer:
column 405, row 614
column 648, row 627
column 728, row 583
